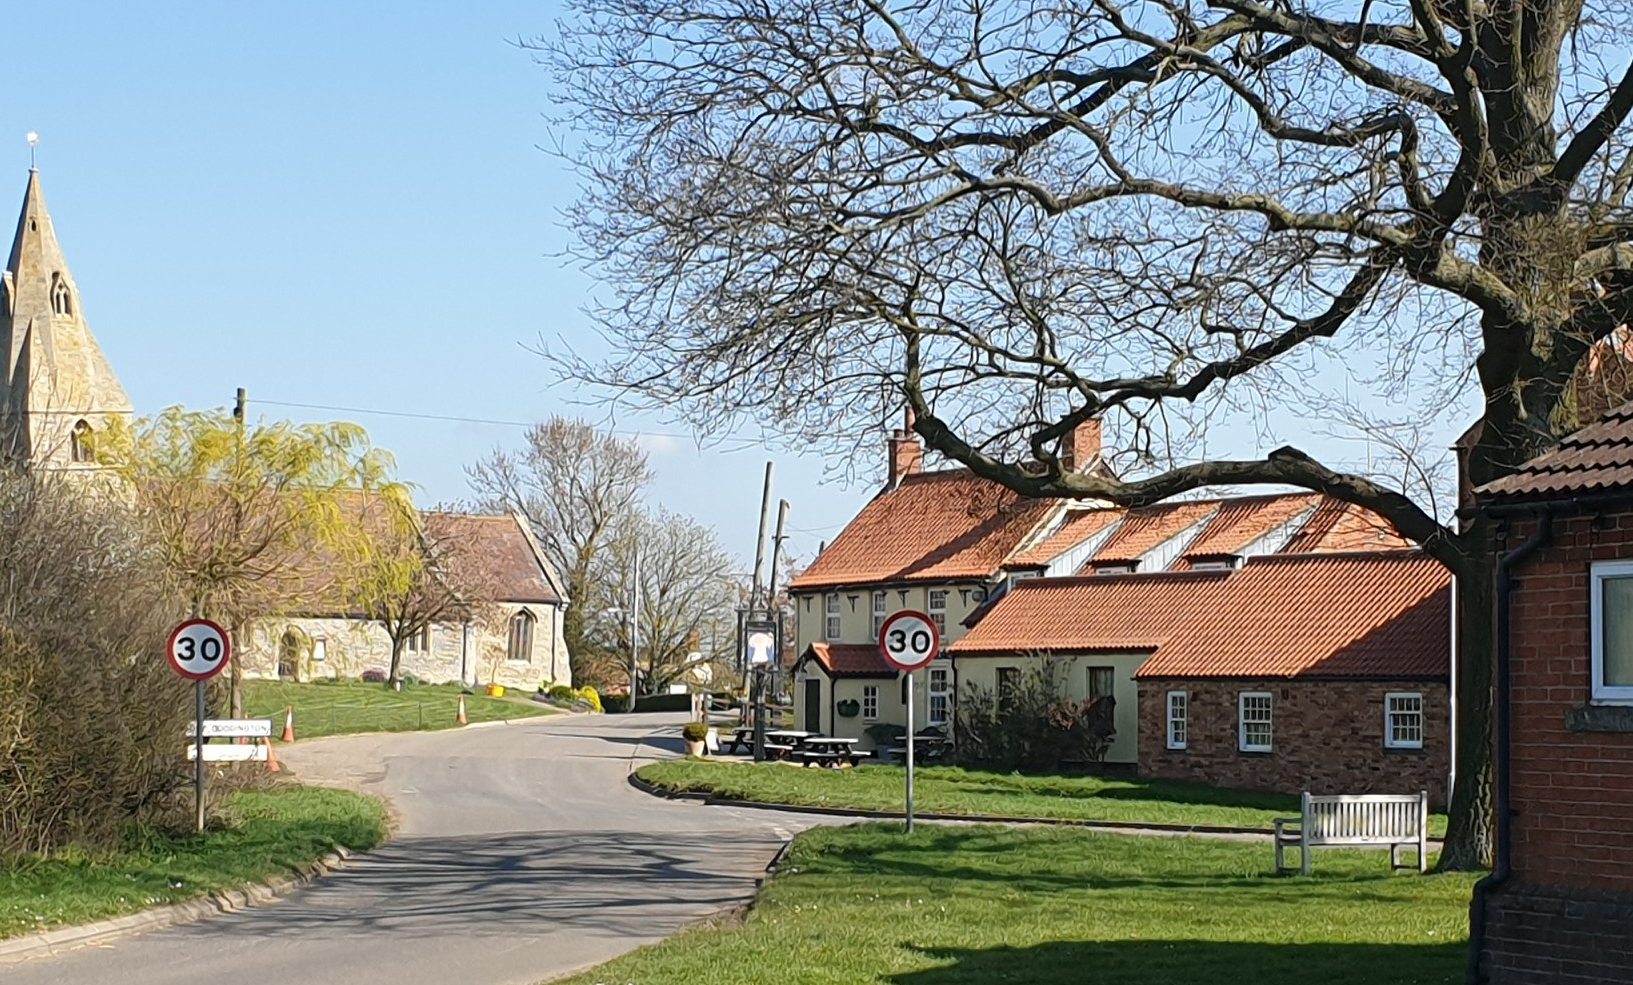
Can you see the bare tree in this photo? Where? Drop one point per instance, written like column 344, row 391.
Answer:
column 573, row 484
column 686, row 587
column 1015, row 216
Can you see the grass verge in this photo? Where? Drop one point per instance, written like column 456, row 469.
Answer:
column 977, row 905
column 270, row 832
column 345, row 707
column 951, row 790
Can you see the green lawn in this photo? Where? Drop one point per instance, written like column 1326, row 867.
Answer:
column 351, row 706
column 950, row 790
column 271, row 831
column 978, row 905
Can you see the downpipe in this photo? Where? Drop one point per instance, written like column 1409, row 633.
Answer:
column 1502, row 869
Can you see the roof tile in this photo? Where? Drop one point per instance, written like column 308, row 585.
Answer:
column 850, row 659
column 1597, row 457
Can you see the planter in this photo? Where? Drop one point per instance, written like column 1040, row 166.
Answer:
column 694, row 748
column 496, row 690
column 848, row 708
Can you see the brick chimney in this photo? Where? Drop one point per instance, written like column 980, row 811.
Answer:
column 1081, row 451
column 906, row 454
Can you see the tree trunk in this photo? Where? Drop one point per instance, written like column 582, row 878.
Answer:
column 396, row 662
column 1469, row 831
column 235, row 675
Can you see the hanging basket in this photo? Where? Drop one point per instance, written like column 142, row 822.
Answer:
column 848, row 709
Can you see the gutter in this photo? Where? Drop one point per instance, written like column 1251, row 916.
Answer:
column 1503, row 869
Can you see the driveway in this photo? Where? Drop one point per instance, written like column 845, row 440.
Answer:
column 522, row 854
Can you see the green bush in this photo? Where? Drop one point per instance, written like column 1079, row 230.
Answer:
column 1034, row 726
column 695, row 731
column 615, row 704
column 560, row 692
column 591, row 697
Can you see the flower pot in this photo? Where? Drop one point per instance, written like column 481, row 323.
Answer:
column 496, row 690
column 694, row 748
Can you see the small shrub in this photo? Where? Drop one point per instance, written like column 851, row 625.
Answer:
column 615, row 704
column 694, row 731
column 374, row 675
column 560, row 692
column 1034, row 726
column 591, row 697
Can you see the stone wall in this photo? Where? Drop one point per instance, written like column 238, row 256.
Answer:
column 311, row 648
column 1541, row 936
column 1327, row 737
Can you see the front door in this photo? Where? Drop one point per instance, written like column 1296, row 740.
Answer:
column 812, row 721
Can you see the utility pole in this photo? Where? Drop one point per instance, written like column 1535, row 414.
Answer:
column 759, row 548
column 634, row 627
column 768, row 675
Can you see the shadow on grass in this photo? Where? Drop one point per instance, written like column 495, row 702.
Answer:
column 1183, row 962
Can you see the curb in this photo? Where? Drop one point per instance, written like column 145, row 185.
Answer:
column 217, row 902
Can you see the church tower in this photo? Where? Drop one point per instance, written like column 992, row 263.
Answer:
column 58, row 390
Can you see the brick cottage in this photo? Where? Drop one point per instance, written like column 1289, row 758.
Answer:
column 1558, row 906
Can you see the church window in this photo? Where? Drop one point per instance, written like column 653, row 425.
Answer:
column 520, row 644
column 79, row 443
column 62, row 300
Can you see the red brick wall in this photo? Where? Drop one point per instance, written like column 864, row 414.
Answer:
column 1536, row 936
column 1572, row 791
column 1327, row 738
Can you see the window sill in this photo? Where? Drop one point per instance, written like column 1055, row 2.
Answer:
column 1600, row 718
column 1255, row 752
column 1403, row 750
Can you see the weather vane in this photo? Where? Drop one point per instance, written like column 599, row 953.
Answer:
column 33, row 142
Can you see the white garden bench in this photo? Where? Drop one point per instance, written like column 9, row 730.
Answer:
column 1392, row 821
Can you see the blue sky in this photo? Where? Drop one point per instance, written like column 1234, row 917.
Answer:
column 339, row 204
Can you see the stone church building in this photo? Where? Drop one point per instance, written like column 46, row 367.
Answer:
column 58, row 391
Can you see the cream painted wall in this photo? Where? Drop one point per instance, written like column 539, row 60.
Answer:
column 892, row 710
column 856, row 611
column 983, row 672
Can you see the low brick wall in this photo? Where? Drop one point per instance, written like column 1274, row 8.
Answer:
column 1328, row 737
column 1536, row 936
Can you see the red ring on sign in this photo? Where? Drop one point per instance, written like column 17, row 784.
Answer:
column 175, row 634
column 935, row 640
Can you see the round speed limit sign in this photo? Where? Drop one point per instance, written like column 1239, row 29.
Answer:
column 909, row 640
column 198, row 649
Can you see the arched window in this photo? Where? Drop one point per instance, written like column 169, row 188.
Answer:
column 520, row 648
column 79, row 443
column 62, row 300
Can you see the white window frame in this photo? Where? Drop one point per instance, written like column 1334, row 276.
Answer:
column 944, row 691
column 879, row 608
column 1182, row 719
column 1390, row 742
column 1242, row 699
column 938, row 613
column 1602, row 571
column 870, row 702
column 832, row 625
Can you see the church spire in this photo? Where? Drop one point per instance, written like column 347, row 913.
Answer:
column 58, row 388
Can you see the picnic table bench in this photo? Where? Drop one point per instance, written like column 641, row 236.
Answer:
column 1392, row 821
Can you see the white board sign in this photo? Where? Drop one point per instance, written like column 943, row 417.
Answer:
column 233, row 728
column 232, row 754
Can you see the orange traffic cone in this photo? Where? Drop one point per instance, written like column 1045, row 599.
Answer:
column 272, row 759
column 289, row 724
column 461, row 717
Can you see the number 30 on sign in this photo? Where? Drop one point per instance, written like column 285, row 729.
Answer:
column 198, row 649
column 909, row 640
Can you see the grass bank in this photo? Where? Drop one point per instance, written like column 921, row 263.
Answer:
column 344, row 707
column 268, row 832
column 951, row 790
column 867, row 905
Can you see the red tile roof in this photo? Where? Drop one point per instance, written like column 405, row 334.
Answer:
column 1078, row 526
column 934, row 526
column 1148, row 526
column 1372, row 615
column 511, row 563
column 1338, row 526
column 1597, row 458
column 1243, row 520
column 849, row 659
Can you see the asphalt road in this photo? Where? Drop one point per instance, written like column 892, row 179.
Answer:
column 522, row 854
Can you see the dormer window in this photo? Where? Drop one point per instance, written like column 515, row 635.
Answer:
column 62, row 299
column 79, row 443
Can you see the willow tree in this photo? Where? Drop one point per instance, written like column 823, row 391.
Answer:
column 1169, row 214
column 250, row 521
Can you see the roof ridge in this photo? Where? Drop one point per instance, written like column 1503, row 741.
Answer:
column 1381, row 553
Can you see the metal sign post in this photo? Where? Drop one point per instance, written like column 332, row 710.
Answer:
column 759, row 652
column 909, row 640
column 198, row 650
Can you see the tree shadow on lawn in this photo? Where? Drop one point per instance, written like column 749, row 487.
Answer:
column 1130, row 790
column 1184, row 962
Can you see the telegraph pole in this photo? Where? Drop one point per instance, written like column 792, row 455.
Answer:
column 634, row 627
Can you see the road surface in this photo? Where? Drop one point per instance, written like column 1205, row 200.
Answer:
column 522, row 854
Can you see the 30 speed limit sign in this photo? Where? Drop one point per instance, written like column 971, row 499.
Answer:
column 909, row 640
column 198, row 649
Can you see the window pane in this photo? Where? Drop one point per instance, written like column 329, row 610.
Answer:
column 1618, row 628
column 1101, row 682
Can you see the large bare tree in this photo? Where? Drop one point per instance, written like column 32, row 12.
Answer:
column 1015, row 215
column 574, row 485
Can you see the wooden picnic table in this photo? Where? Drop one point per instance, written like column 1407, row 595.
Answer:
column 824, row 750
